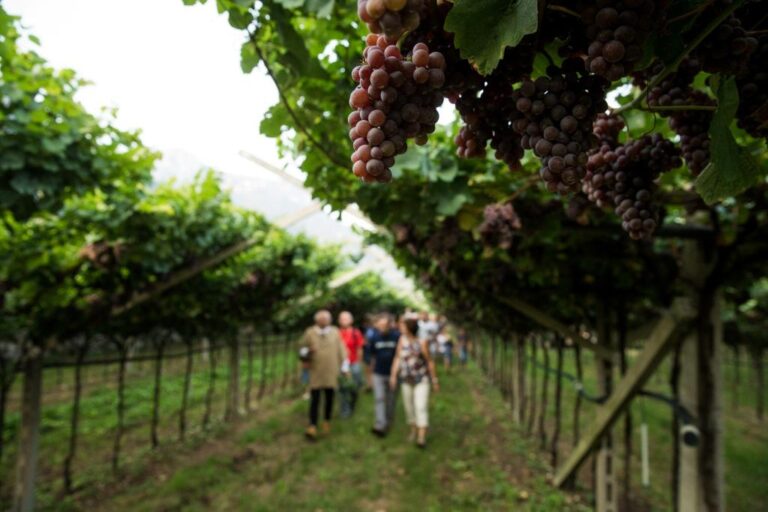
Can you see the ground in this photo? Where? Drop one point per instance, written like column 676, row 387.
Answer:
column 476, row 459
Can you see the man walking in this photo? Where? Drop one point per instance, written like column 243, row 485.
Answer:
column 383, row 345
column 353, row 341
column 325, row 356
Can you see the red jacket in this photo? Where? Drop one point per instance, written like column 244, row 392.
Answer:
column 354, row 341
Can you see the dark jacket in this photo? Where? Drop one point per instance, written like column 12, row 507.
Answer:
column 382, row 347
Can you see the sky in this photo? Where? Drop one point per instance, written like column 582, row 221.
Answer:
column 173, row 71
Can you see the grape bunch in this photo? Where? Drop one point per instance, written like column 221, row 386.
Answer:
column 396, row 99
column 727, row 48
column 469, row 143
column 500, row 223
column 555, row 116
column 692, row 126
column 616, row 31
column 752, row 114
column 391, row 17
column 625, row 177
column 606, row 129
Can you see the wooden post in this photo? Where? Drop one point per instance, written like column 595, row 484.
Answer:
column 74, row 419
column 558, row 401
column 122, row 347
column 263, row 367
column 29, row 437
column 249, row 380
column 756, row 354
column 579, row 398
column 494, row 362
column 534, row 343
column 664, row 337
column 233, row 385
column 606, row 491
column 185, row 389
column 212, row 356
column 159, row 350
column 520, row 398
column 544, row 395
column 701, row 474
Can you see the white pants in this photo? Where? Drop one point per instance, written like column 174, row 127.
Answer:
column 416, row 400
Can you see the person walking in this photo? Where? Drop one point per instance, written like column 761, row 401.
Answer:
column 428, row 328
column 324, row 354
column 415, row 370
column 353, row 342
column 382, row 346
column 445, row 344
column 463, row 339
column 369, row 332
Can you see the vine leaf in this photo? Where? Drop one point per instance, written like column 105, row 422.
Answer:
column 323, row 8
column 484, row 28
column 731, row 169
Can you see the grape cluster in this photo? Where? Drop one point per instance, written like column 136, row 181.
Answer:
column 616, row 31
column 391, row 17
column 555, row 121
column 692, row 126
column 469, row 143
column 102, row 254
column 625, row 177
column 607, row 128
column 500, row 223
column 727, row 48
column 752, row 114
column 396, row 99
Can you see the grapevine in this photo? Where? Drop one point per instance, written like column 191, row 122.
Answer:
column 560, row 115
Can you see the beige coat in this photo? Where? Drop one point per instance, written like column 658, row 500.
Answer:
column 328, row 353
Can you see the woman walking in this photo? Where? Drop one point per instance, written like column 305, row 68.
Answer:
column 324, row 354
column 416, row 371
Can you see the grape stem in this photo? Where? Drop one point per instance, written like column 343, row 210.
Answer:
column 662, row 108
column 671, row 67
column 563, row 9
column 522, row 188
column 692, row 12
column 291, row 112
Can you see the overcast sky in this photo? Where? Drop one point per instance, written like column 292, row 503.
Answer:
column 173, row 71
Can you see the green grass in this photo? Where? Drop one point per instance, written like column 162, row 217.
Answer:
column 98, row 418
column 476, row 460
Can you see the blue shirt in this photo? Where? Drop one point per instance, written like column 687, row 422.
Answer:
column 382, row 347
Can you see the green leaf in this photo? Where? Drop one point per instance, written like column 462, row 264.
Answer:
column 290, row 4
column 484, row 28
column 322, row 8
column 451, row 204
column 248, row 57
column 297, row 56
column 731, row 169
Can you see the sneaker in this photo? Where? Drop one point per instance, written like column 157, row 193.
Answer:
column 311, row 433
column 326, row 428
column 378, row 432
column 421, row 445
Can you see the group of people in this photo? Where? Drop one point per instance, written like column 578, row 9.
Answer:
column 392, row 353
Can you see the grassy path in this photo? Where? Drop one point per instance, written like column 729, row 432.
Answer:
column 475, row 460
